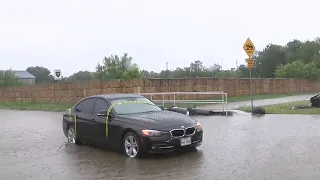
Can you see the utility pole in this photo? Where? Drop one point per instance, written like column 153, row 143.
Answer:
column 167, row 69
column 212, row 71
column 221, row 67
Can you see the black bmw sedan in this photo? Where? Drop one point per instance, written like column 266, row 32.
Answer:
column 129, row 123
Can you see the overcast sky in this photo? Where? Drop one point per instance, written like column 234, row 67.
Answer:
column 74, row 35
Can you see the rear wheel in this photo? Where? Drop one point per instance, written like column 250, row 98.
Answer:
column 132, row 146
column 71, row 136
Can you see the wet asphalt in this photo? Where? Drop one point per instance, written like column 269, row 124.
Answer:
column 279, row 147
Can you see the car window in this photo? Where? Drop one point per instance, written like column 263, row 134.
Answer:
column 88, row 105
column 79, row 106
column 133, row 108
column 100, row 106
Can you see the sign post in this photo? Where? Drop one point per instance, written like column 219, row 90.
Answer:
column 58, row 77
column 57, row 74
column 249, row 48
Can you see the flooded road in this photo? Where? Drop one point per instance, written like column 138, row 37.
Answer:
column 241, row 147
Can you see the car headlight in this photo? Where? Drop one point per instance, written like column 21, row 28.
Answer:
column 152, row 133
column 198, row 127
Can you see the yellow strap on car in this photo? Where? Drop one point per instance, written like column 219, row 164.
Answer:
column 75, row 122
column 120, row 103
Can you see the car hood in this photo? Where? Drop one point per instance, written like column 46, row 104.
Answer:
column 161, row 120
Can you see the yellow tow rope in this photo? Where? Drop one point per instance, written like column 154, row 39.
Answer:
column 120, row 103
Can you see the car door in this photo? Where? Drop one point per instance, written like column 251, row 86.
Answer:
column 100, row 126
column 85, row 119
column 74, row 114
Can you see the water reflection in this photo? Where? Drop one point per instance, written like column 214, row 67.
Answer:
column 109, row 164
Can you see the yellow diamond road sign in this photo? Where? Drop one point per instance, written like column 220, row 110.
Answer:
column 249, row 47
column 250, row 63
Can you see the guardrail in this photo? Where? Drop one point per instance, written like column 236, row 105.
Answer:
column 222, row 100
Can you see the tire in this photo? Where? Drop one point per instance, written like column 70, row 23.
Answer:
column 132, row 146
column 71, row 137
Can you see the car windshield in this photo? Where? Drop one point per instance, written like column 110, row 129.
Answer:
column 133, row 108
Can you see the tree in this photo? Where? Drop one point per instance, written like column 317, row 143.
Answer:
column 267, row 60
column 42, row 74
column 115, row 67
column 8, row 78
column 308, row 51
column 274, row 56
column 132, row 73
column 81, row 76
column 243, row 71
column 299, row 69
column 294, row 46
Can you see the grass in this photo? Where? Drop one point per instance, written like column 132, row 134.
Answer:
column 59, row 107
column 263, row 96
column 37, row 106
column 286, row 108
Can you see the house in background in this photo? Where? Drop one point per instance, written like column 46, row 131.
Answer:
column 25, row 77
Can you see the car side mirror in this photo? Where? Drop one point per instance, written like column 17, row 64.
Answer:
column 78, row 110
column 102, row 113
column 161, row 107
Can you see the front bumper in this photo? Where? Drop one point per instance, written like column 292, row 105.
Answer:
column 167, row 144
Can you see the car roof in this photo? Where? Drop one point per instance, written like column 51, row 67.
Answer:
column 117, row 96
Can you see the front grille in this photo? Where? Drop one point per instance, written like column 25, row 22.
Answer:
column 177, row 133
column 190, row 130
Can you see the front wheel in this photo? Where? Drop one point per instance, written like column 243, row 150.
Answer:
column 71, row 136
column 131, row 145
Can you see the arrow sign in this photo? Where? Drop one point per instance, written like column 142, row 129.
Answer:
column 250, row 63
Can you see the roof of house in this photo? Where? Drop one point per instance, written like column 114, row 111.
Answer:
column 24, row 74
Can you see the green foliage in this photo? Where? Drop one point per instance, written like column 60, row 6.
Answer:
column 8, row 78
column 294, row 60
column 81, row 76
column 115, row 67
column 42, row 74
column 268, row 59
column 299, row 69
column 196, row 69
column 132, row 73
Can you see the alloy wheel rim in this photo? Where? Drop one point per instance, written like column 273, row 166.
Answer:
column 131, row 146
column 71, row 136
